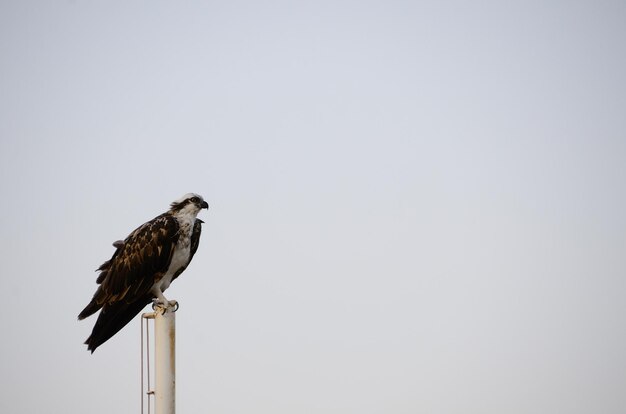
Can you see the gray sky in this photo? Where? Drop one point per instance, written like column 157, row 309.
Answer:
column 416, row 207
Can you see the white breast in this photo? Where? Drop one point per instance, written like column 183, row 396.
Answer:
column 180, row 257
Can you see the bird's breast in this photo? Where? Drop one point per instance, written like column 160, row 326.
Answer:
column 180, row 256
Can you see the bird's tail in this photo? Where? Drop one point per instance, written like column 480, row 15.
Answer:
column 112, row 318
column 93, row 306
column 89, row 310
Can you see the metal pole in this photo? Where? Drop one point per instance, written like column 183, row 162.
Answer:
column 165, row 361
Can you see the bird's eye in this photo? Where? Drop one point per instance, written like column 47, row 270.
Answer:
column 194, row 199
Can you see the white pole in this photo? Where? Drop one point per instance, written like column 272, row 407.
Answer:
column 165, row 361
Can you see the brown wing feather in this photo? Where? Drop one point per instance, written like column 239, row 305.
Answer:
column 143, row 258
column 126, row 279
column 146, row 254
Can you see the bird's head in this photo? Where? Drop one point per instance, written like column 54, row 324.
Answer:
column 188, row 204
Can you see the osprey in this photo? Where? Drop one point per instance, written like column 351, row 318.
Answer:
column 143, row 266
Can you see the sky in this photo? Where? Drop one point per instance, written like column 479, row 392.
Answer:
column 416, row 206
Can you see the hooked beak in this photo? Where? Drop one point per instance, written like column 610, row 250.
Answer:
column 204, row 205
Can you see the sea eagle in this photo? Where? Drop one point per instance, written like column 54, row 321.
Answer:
column 143, row 266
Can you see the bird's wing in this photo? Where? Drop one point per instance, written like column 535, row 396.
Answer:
column 144, row 257
column 137, row 263
column 127, row 278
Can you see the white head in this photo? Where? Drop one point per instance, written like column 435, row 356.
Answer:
column 188, row 204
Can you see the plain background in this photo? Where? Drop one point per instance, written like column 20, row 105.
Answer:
column 416, row 206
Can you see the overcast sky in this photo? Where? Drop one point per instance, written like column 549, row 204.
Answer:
column 416, row 207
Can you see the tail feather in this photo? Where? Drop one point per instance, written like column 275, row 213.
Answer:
column 93, row 306
column 112, row 318
column 89, row 310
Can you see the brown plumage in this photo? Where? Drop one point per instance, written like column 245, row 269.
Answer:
column 142, row 267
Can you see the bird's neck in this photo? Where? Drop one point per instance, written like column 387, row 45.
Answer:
column 186, row 220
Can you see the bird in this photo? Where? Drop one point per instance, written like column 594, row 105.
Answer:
column 143, row 266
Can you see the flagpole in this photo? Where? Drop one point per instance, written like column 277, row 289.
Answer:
column 164, row 357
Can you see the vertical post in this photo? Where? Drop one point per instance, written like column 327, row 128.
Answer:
column 165, row 362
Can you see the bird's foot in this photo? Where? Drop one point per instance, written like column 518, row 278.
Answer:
column 164, row 304
column 159, row 303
